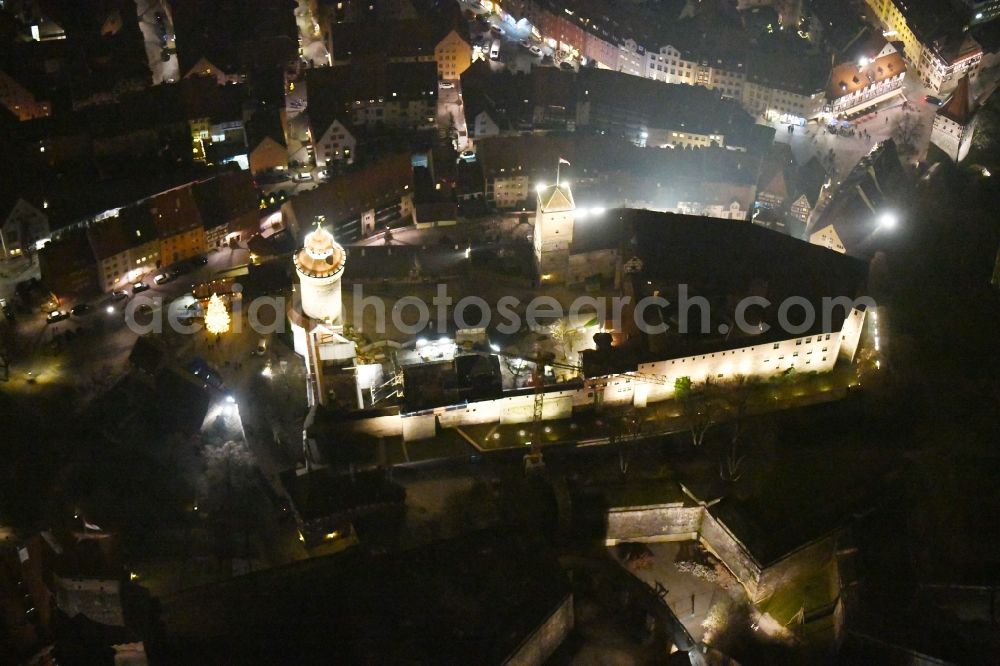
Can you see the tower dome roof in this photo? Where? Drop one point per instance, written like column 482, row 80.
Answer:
column 321, row 255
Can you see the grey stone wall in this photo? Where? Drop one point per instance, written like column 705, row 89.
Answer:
column 538, row 647
column 805, row 560
column 732, row 552
column 660, row 522
column 587, row 264
column 664, row 522
column 422, row 426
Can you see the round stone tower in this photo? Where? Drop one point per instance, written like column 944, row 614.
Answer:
column 320, row 265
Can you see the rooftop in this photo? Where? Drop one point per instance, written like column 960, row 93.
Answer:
column 175, row 212
column 319, row 494
column 591, row 155
column 850, row 77
column 344, row 198
column 235, row 35
column 817, row 490
column 727, row 260
column 876, row 184
column 664, row 106
column 406, row 38
column 320, row 256
column 788, row 65
column 961, row 105
column 555, row 198
column 226, row 197
column 132, row 226
column 335, row 91
column 940, row 25
column 437, row 384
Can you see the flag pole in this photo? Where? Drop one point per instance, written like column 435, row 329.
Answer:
column 558, row 165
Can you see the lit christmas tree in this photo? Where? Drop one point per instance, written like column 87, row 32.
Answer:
column 217, row 317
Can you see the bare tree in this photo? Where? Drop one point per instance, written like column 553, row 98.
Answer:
column 736, row 394
column 566, row 336
column 906, row 130
column 518, row 367
column 227, row 488
column 624, row 429
column 700, row 406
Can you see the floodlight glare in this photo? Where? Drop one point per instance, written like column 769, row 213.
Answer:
column 887, row 220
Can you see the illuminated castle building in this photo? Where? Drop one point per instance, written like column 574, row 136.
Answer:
column 316, row 314
column 553, row 234
column 955, row 122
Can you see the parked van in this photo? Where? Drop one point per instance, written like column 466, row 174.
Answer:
column 495, row 49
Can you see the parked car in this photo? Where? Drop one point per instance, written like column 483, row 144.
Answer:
column 535, row 51
column 525, row 43
column 931, row 99
column 56, row 315
column 446, row 85
column 303, row 177
column 139, row 287
column 164, row 277
column 186, row 266
column 467, row 155
column 119, row 295
column 273, row 177
column 80, row 310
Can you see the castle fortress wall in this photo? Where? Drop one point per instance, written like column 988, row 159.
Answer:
column 812, row 353
column 676, row 522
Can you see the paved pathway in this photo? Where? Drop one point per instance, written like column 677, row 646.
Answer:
column 163, row 71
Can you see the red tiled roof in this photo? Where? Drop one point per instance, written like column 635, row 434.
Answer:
column 175, row 212
column 132, row 227
column 961, row 105
column 348, row 196
column 848, row 77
